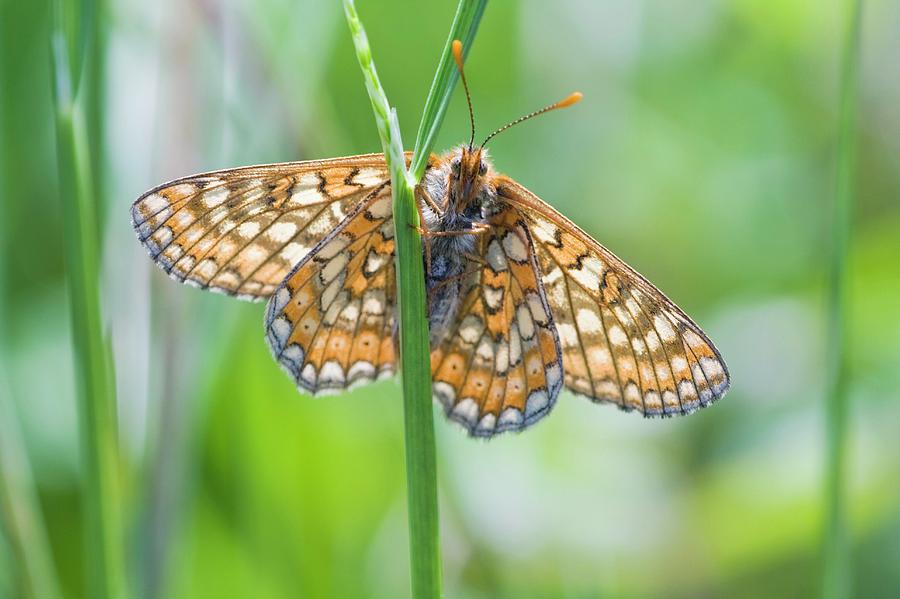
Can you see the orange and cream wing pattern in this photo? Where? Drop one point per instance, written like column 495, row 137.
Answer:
column 241, row 231
column 622, row 340
column 330, row 322
column 500, row 368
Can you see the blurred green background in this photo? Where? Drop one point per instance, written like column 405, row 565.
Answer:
column 703, row 154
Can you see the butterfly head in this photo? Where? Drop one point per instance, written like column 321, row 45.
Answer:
column 469, row 168
column 470, row 177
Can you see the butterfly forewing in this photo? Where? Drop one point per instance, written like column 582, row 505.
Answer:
column 330, row 322
column 622, row 340
column 241, row 231
column 499, row 368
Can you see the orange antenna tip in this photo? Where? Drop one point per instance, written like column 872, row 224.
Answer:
column 457, row 54
column 573, row 98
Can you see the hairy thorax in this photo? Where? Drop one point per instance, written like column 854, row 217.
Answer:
column 464, row 198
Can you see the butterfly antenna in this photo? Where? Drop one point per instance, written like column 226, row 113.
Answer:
column 458, row 57
column 572, row 98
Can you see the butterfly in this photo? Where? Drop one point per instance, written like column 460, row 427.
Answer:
column 521, row 301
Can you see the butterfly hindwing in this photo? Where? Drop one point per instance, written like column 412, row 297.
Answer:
column 499, row 368
column 622, row 340
column 241, row 231
column 330, row 322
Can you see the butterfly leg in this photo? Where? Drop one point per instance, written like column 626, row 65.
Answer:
column 430, row 201
column 475, row 258
column 477, row 229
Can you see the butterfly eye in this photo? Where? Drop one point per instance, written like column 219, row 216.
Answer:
column 482, row 169
column 455, row 166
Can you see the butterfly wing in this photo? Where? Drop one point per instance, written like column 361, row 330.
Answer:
column 330, row 321
column 241, row 231
column 623, row 341
column 499, row 368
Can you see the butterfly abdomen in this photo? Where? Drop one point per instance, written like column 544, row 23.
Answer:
column 445, row 280
column 449, row 255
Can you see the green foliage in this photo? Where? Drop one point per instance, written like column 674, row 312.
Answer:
column 836, row 567
column 702, row 154
column 104, row 542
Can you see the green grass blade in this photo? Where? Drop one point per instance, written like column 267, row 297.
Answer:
column 464, row 27
column 20, row 509
column 415, row 372
column 836, row 576
column 93, row 364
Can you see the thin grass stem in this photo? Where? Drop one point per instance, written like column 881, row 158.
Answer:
column 93, row 359
column 20, row 510
column 415, row 371
column 836, row 579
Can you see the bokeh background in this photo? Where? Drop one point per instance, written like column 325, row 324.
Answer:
column 703, row 154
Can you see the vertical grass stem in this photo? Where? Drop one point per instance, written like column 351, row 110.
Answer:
column 415, row 371
column 93, row 359
column 836, row 564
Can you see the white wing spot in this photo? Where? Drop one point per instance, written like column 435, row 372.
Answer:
column 373, row 303
column 375, row 261
column 553, row 375
column 332, row 248
column 526, row 324
column 381, row 208
column 712, row 368
column 280, row 299
column 493, row 297
column 495, row 257
column 361, row 370
column 584, row 277
column 154, row 203
column 332, row 373
column 248, row 229
column 369, row 177
column 664, row 327
column 467, row 410
column 502, row 359
column 350, row 312
column 445, row 393
column 511, row 417
column 617, row 336
column 470, row 329
column 686, row 389
column 544, row 232
column 206, row 268
column 599, row 357
column 536, row 403
column 334, row 267
column 306, row 190
column 282, row 232
column 632, row 394
column 281, row 330
column 515, row 344
column 588, row 321
column 553, row 276
column 293, row 252
column 485, row 349
column 514, row 247
column 538, row 311
column 215, row 197
column 487, row 423
column 308, row 375
column 568, row 336
column 330, row 292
